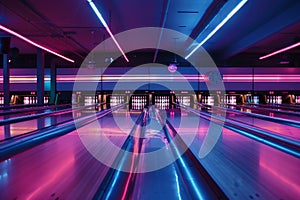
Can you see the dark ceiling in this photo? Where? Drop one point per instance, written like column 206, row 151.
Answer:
column 66, row 26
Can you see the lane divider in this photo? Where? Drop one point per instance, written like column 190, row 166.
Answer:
column 42, row 115
column 119, row 184
column 22, row 144
column 197, row 180
column 27, row 110
column 281, row 143
column 268, row 109
column 260, row 116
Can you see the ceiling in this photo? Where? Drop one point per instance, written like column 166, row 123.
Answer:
column 71, row 28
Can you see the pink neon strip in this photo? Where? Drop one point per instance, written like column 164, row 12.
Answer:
column 115, row 41
column 34, row 44
column 280, row 51
column 226, row 78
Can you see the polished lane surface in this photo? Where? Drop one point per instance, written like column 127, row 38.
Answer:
column 63, row 114
column 242, row 167
column 283, row 130
column 276, row 128
column 7, row 131
column 164, row 182
column 271, row 112
column 62, row 168
column 14, row 129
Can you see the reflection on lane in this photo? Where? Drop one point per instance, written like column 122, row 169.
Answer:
column 282, row 127
column 276, row 128
column 61, row 168
column 44, row 119
column 269, row 112
column 19, row 128
column 244, row 168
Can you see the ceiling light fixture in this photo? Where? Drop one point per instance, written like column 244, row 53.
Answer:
column 33, row 43
column 280, row 51
column 97, row 12
column 172, row 68
column 237, row 8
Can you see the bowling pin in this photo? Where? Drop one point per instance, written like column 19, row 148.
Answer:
column 26, row 100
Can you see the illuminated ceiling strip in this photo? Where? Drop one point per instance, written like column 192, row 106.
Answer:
column 280, row 51
column 240, row 5
column 34, row 44
column 95, row 9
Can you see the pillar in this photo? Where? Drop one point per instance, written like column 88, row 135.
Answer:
column 40, row 64
column 6, row 86
column 53, row 83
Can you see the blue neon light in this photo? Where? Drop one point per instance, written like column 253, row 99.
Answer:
column 272, row 144
column 239, row 6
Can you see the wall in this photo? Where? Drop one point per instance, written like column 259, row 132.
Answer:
column 159, row 78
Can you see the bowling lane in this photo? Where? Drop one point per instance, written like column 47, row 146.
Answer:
column 261, row 111
column 277, row 106
column 31, row 110
column 7, row 131
column 63, row 168
column 14, row 129
column 18, row 106
column 164, row 182
column 243, row 168
column 279, row 129
column 267, row 112
column 273, row 127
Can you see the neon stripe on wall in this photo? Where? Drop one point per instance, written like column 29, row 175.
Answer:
column 192, row 78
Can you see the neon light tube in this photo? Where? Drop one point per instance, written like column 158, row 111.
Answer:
column 34, row 44
column 239, row 6
column 96, row 11
column 280, row 51
column 136, row 78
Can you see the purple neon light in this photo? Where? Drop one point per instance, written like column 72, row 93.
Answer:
column 33, row 43
column 280, row 51
column 284, row 62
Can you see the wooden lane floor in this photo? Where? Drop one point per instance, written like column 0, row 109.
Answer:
column 244, row 168
column 61, row 168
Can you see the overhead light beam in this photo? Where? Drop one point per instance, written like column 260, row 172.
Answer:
column 235, row 10
column 33, row 43
column 280, row 51
column 97, row 12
